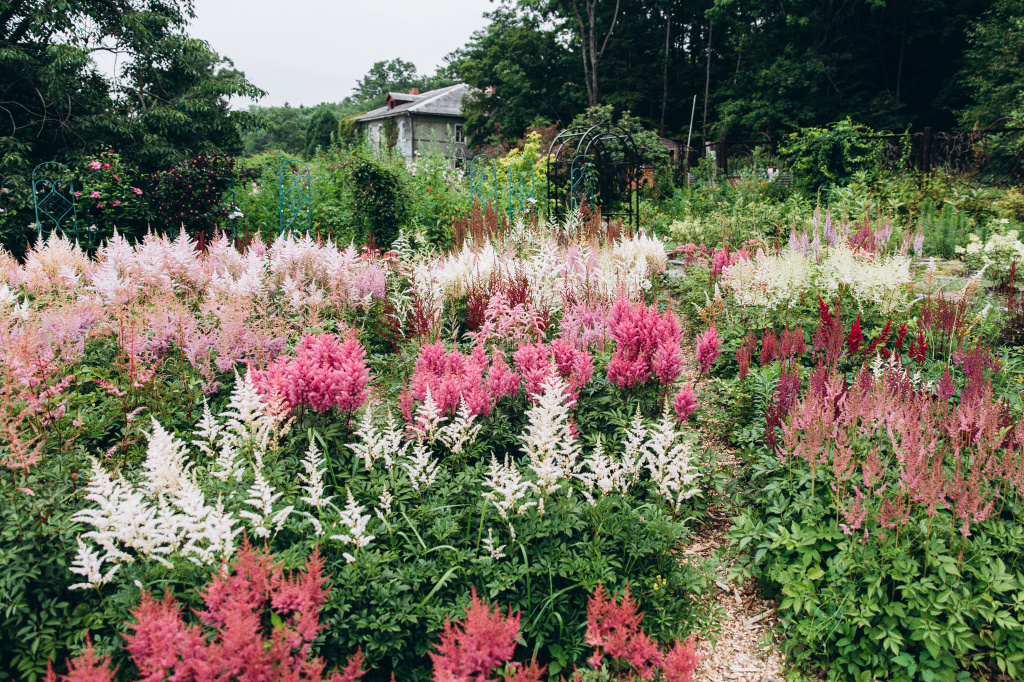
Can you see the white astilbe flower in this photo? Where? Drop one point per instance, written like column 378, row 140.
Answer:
column 428, row 418
column 668, row 461
column 89, row 563
column 635, row 453
column 206, row 431
column 252, row 425
column 507, row 488
column 313, row 479
column 462, row 431
column 262, row 497
column 495, row 551
column 602, row 475
column 384, row 510
column 227, row 465
column 375, row 444
column 421, row 467
column 353, row 518
column 548, row 441
column 166, row 514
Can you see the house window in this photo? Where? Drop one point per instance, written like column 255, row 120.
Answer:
column 459, row 136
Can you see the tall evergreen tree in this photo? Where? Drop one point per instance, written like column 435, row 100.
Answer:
column 323, row 126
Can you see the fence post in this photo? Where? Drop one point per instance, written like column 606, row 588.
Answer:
column 926, row 149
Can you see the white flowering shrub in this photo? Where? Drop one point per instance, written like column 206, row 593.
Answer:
column 995, row 255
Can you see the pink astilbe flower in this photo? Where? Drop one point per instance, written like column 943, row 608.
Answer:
column 324, row 373
column 535, row 362
column 709, row 347
column 451, row 377
column 472, row 648
column 242, row 646
column 685, row 403
column 646, row 343
column 613, row 629
column 502, row 380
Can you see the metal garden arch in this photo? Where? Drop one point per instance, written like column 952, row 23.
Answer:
column 53, row 195
column 598, row 167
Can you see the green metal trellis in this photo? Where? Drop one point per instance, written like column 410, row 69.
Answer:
column 581, row 186
column 54, row 198
column 295, row 197
column 483, row 180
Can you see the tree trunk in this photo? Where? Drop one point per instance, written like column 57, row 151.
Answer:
column 588, row 43
column 664, row 75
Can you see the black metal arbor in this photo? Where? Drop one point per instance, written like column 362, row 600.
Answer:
column 597, row 167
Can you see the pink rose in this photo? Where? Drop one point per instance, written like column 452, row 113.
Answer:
column 106, row 165
column 136, row 190
column 117, row 202
column 94, row 194
column 78, row 194
column 95, row 165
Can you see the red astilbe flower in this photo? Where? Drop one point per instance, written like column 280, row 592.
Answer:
column 769, row 348
column 163, row 647
column 646, row 343
column 855, row 337
column 471, row 649
column 877, row 344
column 709, row 347
column 685, row 403
column 324, row 373
column 918, row 351
column 744, row 352
column 901, row 336
column 829, row 338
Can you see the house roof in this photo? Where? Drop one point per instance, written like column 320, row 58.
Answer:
column 440, row 102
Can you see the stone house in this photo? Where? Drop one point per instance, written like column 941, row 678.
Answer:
column 422, row 120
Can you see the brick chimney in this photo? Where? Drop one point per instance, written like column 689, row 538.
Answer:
column 414, row 91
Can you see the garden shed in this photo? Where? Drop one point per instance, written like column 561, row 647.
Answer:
column 413, row 121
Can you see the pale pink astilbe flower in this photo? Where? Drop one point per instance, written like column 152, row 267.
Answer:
column 56, row 262
column 68, row 326
column 171, row 266
column 585, row 324
column 369, row 284
column 512, row 325
column 685, row 403
column 709, row 347
column 324, row 373
column 646, row 343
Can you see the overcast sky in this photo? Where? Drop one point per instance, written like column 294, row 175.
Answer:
column 312, row 51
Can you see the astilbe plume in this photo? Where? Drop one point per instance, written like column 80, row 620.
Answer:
column 536, row 361
column 743, row 354
column 646, row 343
column 709, row 347
column 855, row 337
column 324, row 373
column 469, row 650
column 162, row 646
column 613, row 629
column 451, row 377
column 918, row 351
column 86, row 667
column 685, row 403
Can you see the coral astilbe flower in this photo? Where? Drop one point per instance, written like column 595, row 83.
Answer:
column 685, row 403
column 645, row 343
column 918, row 351
column 614, row 630
column 163, row 647
column 87, row 667
column 709, row 347
column 472, row 648
column 323, row 374
column 681, row 662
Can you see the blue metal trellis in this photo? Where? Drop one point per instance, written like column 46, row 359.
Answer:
column 518, row 190
column 295, row 197
column 54, row 198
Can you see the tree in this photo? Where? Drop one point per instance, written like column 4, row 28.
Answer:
column 993, row 71
column 322, row 128
column 384, row 77
column 589, row 38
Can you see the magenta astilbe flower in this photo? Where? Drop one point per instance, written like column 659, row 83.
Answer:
column 709, row 347
column 685, row 403
column 323, row 374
